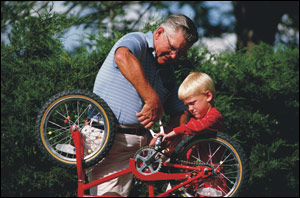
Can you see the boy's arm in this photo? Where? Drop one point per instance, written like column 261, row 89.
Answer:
column 212, row 122
column 177, row 119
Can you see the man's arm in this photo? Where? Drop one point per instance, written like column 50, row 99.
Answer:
column 131, row 68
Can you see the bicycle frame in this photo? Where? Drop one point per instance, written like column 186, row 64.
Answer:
column 199, row 172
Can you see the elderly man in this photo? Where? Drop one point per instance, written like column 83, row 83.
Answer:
column 138, row 83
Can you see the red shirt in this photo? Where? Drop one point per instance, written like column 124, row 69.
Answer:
column 211, row 122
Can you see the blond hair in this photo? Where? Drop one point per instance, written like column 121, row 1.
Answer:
column 194, row 84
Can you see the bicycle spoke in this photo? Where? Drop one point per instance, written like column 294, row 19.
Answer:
column 65, row 117
column 77, row 113
column 58, row 134
column 216, row 151
column 228, row 165
column 59, row 141
column 209, row 151
column 77, row 120
column 230, row 181
column 66, row 109
column 226, row 161
column 79, row 109
column 197, row 159
column 56, row 118
column 62, row 129
column 199, row 155
column 55, row 124
column 221, row 189
column 227, row 173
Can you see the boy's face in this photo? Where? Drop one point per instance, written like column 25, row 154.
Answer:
column 199, row 105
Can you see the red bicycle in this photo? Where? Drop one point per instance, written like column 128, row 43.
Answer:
column 76, row 128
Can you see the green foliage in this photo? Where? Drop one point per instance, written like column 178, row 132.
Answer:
column 34, row 66
column 257, row 94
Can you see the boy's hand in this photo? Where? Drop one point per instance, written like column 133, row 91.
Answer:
column 165, row 137
column 169, row 135
column 152, row 142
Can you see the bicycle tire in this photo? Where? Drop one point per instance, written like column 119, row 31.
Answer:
column 63, row 110
column 224, row 154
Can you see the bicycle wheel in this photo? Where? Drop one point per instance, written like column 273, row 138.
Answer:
column 220, row 152
column 89, row 113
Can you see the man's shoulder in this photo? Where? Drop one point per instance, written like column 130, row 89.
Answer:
column 135, row 35
column 137, row 42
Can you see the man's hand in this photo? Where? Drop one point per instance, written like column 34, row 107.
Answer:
column 151, row 112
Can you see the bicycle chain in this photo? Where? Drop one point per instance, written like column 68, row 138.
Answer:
column 194, row 163
column 182, row 162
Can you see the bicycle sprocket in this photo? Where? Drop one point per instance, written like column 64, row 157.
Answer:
column 148, row 160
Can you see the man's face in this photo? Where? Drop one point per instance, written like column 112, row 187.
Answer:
column 169, row 46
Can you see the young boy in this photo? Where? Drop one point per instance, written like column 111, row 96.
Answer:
column 197, row 92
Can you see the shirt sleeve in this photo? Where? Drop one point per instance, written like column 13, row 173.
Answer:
column 135, row 43
column 212, row 122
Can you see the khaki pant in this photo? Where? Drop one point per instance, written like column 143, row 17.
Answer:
column 124, row 147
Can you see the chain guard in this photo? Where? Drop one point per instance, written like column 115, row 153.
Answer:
column 148, row 160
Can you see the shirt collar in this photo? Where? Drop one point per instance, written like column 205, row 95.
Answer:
column 149, row 38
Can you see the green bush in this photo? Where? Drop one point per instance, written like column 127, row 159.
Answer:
column 35, row 66
column 258, row 95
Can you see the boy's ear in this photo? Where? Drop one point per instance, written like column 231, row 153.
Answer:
column 209, row 96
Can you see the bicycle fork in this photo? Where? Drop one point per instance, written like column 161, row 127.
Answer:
column 78, row 142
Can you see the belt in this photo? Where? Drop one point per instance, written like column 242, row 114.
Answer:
column 135, row 131
column 123, row 129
